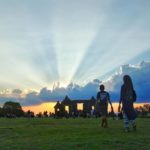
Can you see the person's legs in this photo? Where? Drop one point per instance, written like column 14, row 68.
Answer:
column 105, row 125
column 126, row 122
column 133, row 124
column 102, row 121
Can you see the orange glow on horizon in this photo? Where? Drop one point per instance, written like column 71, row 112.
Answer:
column 49, row 106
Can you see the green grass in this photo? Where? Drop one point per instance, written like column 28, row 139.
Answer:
column 71, row 134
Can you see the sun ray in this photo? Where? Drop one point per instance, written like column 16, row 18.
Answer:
column 65, row 42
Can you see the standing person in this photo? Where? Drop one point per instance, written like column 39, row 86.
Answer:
column 102, row 100
column 127, row 97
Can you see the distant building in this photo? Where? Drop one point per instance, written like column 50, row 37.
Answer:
column 69, row 107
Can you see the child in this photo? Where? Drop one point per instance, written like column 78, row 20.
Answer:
column 127, row 97
column 102, row 100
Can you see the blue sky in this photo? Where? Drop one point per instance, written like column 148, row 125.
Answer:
column 43, row 42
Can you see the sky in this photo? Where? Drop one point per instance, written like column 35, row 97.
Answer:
column 49, row 43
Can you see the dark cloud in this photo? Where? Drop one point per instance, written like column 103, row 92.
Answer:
column 45, row 94
column 31, row 98
column 139, row 75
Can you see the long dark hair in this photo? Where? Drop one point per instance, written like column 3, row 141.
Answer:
column 128, row 82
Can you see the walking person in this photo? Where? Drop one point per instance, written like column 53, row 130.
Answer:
column 127, row 98
column 102, row 101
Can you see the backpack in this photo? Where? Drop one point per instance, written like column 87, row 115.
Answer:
column 131, row 95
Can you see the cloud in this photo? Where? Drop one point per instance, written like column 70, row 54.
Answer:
column 139, row 74
column 74, row 91
column 70, row 41
column 17, row 91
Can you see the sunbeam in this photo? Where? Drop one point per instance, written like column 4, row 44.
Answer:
column 58, row 42
column 124, row 39
column 73, row 33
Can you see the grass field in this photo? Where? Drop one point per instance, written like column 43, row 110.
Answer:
column 71, row 134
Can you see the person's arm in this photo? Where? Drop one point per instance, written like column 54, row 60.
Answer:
column 97, row 98
column 110, row 102
column 120, row 101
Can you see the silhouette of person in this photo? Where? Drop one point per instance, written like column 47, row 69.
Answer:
column 127, row 96
column 102, row 100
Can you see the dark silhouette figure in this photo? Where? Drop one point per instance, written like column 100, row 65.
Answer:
column 112, row 114
column 102, row 101
column 45, row 114
column 29, row 114
column 120, row 115
column 127, row 97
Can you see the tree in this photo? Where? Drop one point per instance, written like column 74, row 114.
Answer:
column 45, row 114
column 2, row 112
column 29, row 114
column 39, row 115
column 13, row 109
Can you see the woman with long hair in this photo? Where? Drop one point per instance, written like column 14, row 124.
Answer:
column 127, row 98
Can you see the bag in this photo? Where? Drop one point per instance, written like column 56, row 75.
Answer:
column 131, row 95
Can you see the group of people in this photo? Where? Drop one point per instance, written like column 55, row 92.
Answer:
column 127, row 98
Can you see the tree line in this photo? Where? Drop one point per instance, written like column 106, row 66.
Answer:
column 143, row 111
column 13, row 109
